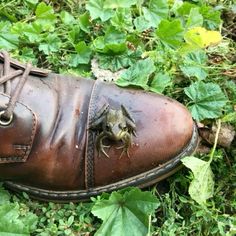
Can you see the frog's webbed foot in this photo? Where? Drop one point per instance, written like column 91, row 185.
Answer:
column 100, row 146
column 126, row 144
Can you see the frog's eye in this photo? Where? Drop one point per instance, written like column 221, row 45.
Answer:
column 123, row 127
column 107, row 127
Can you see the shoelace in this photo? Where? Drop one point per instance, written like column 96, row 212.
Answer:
column 6, row 116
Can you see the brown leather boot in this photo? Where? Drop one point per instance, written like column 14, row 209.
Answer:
column 66, row 139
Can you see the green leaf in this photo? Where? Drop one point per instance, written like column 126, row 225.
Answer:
column 125, row 213
column 119, row 3
column 4, row 196
column 193, row 65
column 83, row 56
column 97, row 10
column 67, row 18
column 156, row 11
column 202, row 186
column 117, row 62
column 141, row 23
column 30, row 32
column 211, row 17
column 114, row 42
column 138, row 74
column 194, row 19
column 207, row 100
column 52, row 44
column 8, row 39
column 45, row 16
column 170, row 32
column 45, row 12
column 185, row 8
column 160, row 82
column 84, row 22
column 27, row 55
column 122, row 20
column 13, row 224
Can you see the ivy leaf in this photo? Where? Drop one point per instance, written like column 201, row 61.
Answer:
column 193, row 65
column 138, row 74
column 194, row 19
column 160, row 82
column 51, row 44
column 8, row 40
column 83, row 56
column 119, row 3
column 97, row 10
column 124, row 209
column 170, row 32
column 156, row 11
column 202, row 186
column 207, row 100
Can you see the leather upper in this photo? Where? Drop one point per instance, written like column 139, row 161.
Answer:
column 46, row 144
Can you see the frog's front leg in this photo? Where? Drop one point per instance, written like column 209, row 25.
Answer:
column 99, row 144
column 126, row 144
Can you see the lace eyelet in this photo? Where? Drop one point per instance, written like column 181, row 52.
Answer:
column 4, row 122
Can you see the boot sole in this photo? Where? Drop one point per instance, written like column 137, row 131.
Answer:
column 142, row 180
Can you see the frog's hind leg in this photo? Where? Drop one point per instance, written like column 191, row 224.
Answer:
column 100, row 146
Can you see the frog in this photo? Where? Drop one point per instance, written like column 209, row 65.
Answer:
column 116, row 125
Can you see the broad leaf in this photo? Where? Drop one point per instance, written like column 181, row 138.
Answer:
column 84, row 22
column 8, row 40
column 202, row 186
column 207, row 100
column 83, row 55
column 117, row 62
column 202, row 38
column 51, row 44
column 194, row 65
column 122, row 20
column 67, row 18
column 97, row 10
column 160, row 82
column 170, row 32
column 29, row 32
column 44, row 11
column 45, row 14
column 114, row 41
column 195, row 18
column 119, row 3
column 138, row 74
column 141, row 23
column 156, row 11
column 125, row 213
column 211, row 17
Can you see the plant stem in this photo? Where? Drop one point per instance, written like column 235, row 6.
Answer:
column 216, row 140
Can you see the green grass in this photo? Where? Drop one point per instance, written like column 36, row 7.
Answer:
column 65, row 35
